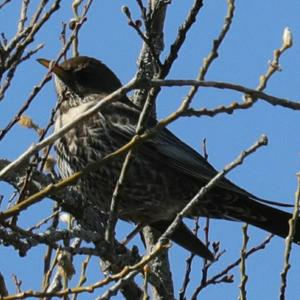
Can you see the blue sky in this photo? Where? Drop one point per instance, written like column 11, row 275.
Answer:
column 270, row 173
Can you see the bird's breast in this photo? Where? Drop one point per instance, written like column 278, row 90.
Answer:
column 65, row 116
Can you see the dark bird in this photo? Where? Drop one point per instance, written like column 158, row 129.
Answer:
column 164, row 174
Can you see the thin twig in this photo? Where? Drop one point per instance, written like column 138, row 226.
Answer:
column 38, row 87
column 244, row 277
column 121, row 278
column 133, row 272
column 218, row 41
column 189, row 260
column 289, row 241
column 146, row 39
column 188, row 267
column 48, row 272
column 11, row 72
column 44, row 221
column 293, row 104
column 31, row 31
column 23, row 15
column 180, row 38
column 113, row 212
column 222, row 276
column 82, row 278
column 17, row 283
column 4, row 3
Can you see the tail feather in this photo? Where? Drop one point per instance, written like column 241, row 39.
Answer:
column 185, row 238
column 266, row 217
column 244, row 209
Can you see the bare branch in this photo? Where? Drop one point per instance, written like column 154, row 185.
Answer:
column 23, row 15
column 289, row 241
column 181, row 36
column 218, row 41
column 244, row 277
column 4, row 3
column 121, row 278
column 293, row 104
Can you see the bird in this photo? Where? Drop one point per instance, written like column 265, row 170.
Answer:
column 164, row 173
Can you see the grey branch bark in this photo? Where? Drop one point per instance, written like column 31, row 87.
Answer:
column 148, row 68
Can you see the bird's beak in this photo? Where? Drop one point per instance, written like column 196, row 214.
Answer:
column 57, row 70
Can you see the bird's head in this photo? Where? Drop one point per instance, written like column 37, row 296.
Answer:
column 83, row 76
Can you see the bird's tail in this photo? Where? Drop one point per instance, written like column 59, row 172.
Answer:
column 185, row 238
column 246, row 210
column 265, row 217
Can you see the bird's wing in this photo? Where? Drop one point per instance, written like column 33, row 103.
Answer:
column 241, row 205
column 171, row 150
column 166, row 146
column 184, row 158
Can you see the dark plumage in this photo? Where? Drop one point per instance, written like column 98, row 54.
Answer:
column 164, row 174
